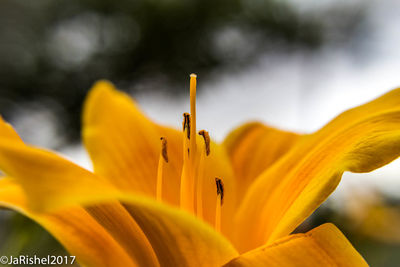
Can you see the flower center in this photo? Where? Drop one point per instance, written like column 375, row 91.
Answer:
column 193, row 169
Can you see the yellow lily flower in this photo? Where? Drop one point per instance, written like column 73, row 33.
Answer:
column 187, row 201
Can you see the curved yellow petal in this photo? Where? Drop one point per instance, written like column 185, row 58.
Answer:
column 178, row 238
column 252, row 148
column 124, row 145
column 76, row 230
column 48, row 180
column 113, row 217
column 359, row 140
column 322, row 246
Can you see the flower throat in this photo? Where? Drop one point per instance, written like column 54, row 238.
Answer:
column 193, row 169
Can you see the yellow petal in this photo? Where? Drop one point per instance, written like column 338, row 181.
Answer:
column 124, row 229
column 359, row 140
column 76, row 230
column 48, row 180
column 254, row 147
column 178, row 238
column 51, row 182
column 322, row 246
column 124, row 145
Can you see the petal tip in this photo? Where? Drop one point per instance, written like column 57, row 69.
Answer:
column 101, row 87
column 97, row 96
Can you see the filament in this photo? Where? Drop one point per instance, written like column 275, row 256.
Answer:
column 218, row 215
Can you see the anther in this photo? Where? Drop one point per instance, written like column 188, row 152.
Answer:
column 186, row 124
column 206, row 138
column 164, row 152
column 186, row 191
column 220, row 201
column 163, row 157
column 220, row 189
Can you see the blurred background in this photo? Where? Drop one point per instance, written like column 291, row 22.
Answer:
column 292, row 64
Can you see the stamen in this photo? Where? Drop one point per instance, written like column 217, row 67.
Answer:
column 220, row 201
column 206, row 138
column 187, row 184
column 205, row 152
column 164, row 151
column 163, row 157
column 220, row 189
column 186, row 124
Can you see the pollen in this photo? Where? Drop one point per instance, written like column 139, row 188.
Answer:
column 220, row 189
column 186, row 124
column 206, row 138
column 164, row 152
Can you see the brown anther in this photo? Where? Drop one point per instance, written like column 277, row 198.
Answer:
column 186, row 124
column 220, row 189
column 206, row 138
column 164, row 152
